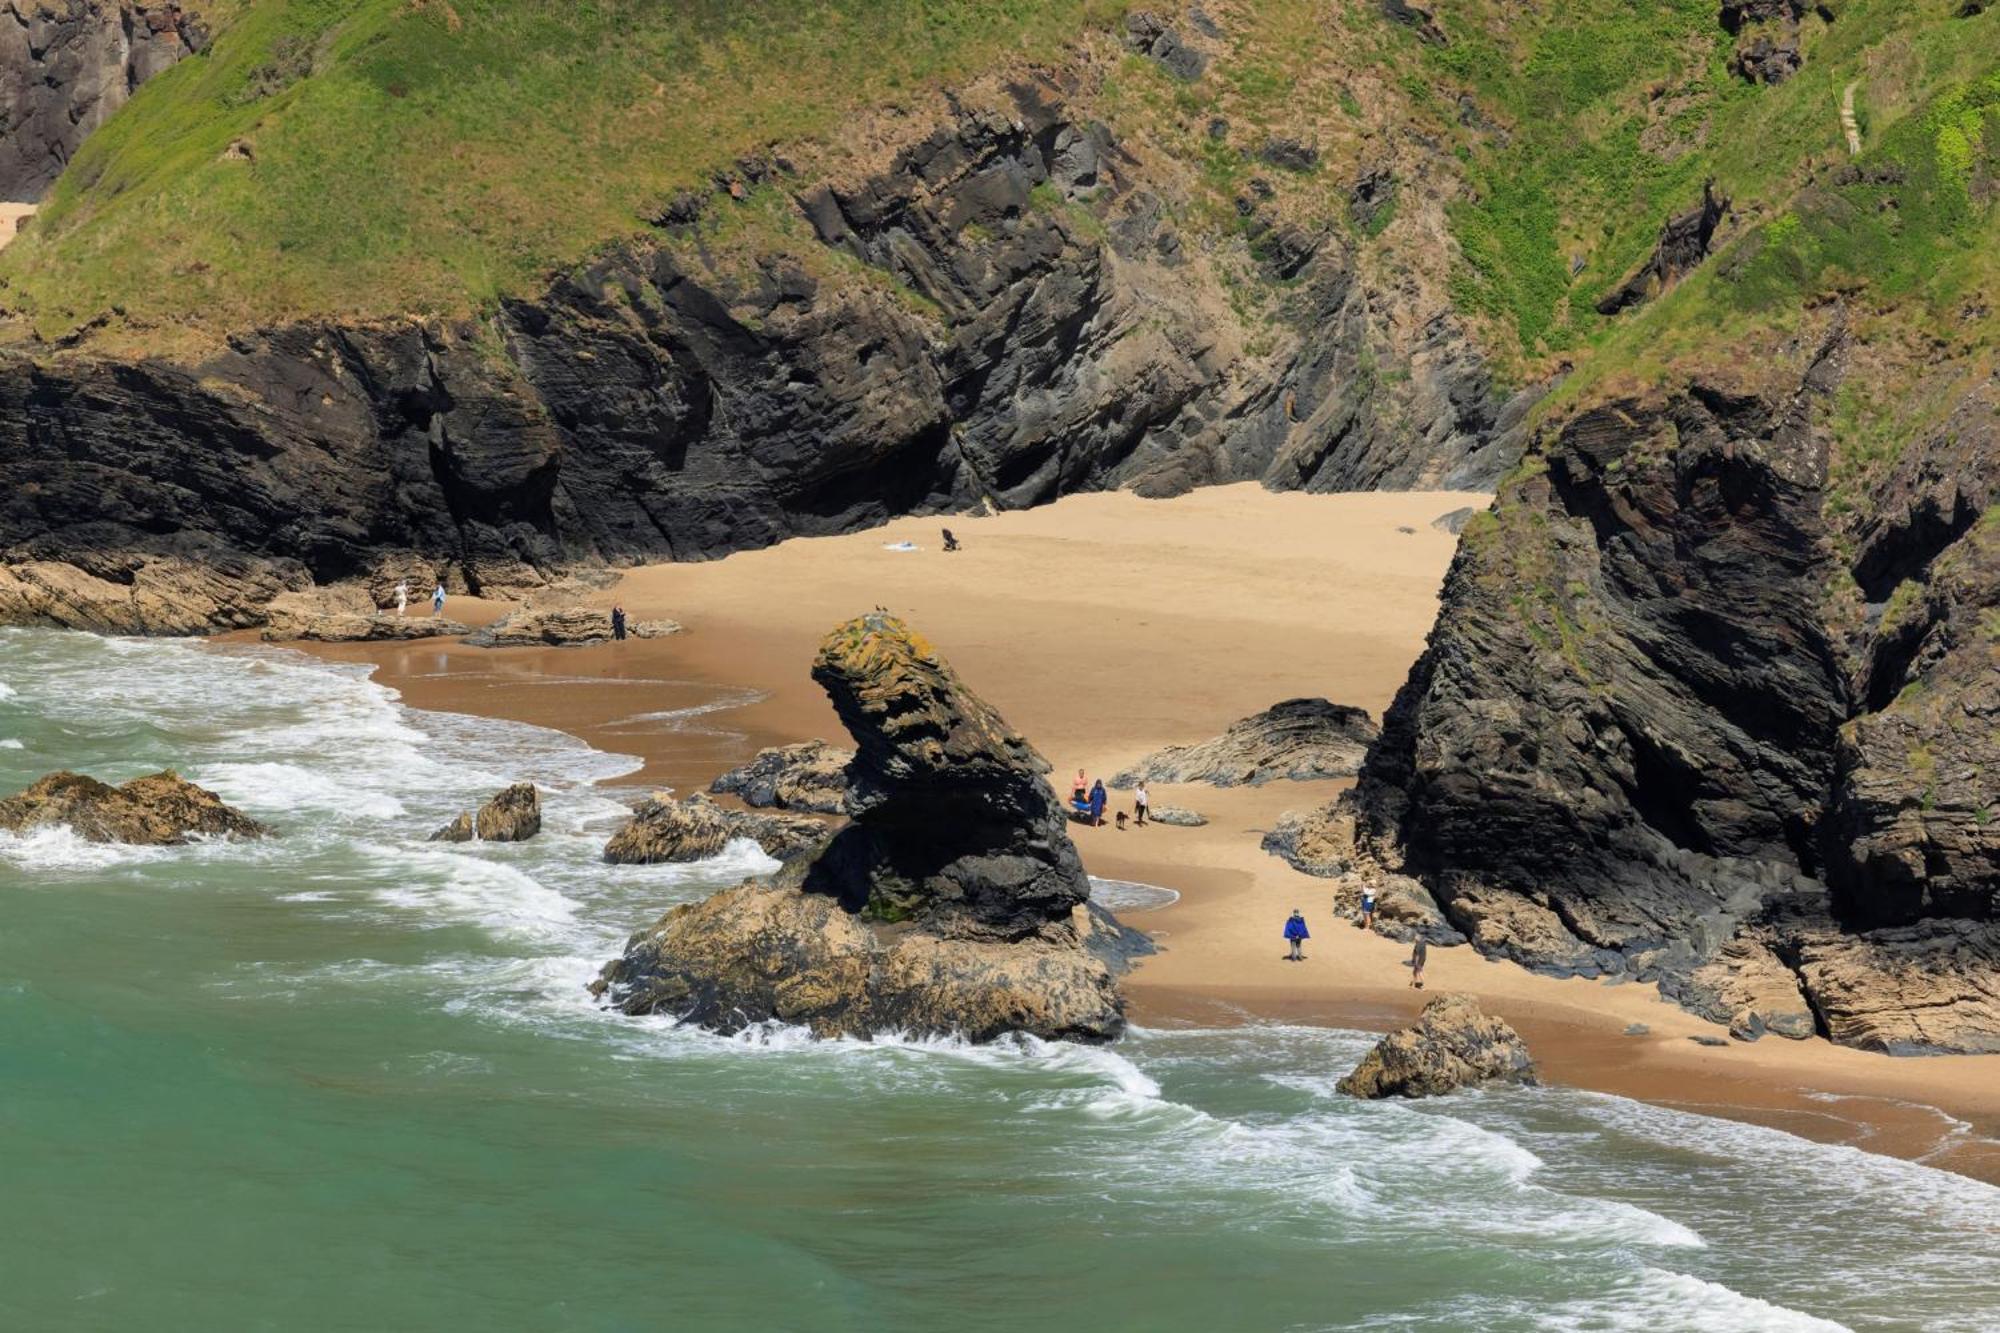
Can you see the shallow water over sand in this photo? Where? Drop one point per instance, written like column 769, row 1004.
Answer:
column 346, row 1079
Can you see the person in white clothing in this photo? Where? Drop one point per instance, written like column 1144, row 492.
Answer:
column 1139, row 802
column 437, row 600
column 402, row 596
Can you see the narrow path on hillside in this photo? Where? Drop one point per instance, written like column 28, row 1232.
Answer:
column 1848, row 123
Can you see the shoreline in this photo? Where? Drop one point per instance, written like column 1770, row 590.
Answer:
column 1103, row 627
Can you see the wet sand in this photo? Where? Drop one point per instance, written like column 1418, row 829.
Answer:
column 1106, row 626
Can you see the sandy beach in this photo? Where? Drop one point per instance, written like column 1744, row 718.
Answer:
column 1105, row 626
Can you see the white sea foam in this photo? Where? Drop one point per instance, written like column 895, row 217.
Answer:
column 59, row 848
column 6, row 691
column 12, row 743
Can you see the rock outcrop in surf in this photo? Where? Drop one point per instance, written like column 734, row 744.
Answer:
column 696, row 828
column 159, row 810
column 1453, row 1044
column 1297, row 740
column 513, row 815
column 810, row 777
column 953, row 902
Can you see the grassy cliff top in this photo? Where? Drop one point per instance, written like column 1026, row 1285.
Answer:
column 363, row 158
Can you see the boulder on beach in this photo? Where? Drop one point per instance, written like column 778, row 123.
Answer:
column 160, row 810
column 694, row 829
column 953, row 902
column 513, row 815
column 1178, row 816
column 1297, row 740
column 810, row 777
column 349, row 627
column 562, row 627
column 1453, row 1044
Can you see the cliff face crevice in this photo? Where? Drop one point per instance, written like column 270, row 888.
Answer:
column 65, row 66
column 1003, row 314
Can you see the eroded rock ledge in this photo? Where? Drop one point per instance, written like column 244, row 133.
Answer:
column 954, row 902
column 1298, row 740
column 1452, row 1045
column 160, row 810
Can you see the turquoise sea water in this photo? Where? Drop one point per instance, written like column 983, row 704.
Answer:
column 348, row 1080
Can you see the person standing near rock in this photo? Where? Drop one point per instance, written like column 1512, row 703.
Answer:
column 1367, row 921
column 618, row 623
column 1140, row 802
column 1097, row 799
column 1419, row 954
column 1297, row 934
column 402, row 597
column 437, row 600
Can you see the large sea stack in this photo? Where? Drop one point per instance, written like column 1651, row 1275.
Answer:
column 953, row 903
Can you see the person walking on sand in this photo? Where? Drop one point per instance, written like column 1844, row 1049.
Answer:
column 618, row 623
column 1297, row 934
column 1368, row 908
column 1418, row 956
column 1097, row 804
column 402, row 597
column 1140, row 803
column 437, row 600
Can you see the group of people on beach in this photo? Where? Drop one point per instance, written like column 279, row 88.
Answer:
column 1087, row 800
column 1296, row 934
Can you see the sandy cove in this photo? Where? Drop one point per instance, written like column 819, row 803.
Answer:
column 1105, row 626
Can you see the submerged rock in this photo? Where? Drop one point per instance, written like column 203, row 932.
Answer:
column 953, row 903
column 344, row 627
column 562, row 627
column 513, row 815
column 694, row 829
column 1452, row 1045
column 1299, row 740
column 159, row 810
column 810, row 776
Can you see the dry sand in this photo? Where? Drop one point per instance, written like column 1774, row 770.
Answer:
column 1105, row 626
column 11, row 216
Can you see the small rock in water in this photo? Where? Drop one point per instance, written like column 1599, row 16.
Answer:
column 513, row 815
column 1452, row 1045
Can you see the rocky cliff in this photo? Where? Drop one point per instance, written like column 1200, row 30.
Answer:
column 65, row 66
column 1006, row 312
column 1677, row 721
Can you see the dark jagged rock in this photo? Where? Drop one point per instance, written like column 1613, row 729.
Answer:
column 561, row 627
column 65, row 66
column 1584, row 761
column 513, row 815
column 1372, row 195
column 653, row 405
column 954, row 901
column 159, row 810
column 1149, row 34
column 347, row 627
column 1290, row 154
column 1768, row 46
column 810, row 776
column 1418, row 19
column 696, row 828
column 1684, row 243
column 1298, row 740
column 1452, row 1045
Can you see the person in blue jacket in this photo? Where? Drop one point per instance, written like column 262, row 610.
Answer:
column 1296, row 932
column 1097, row 803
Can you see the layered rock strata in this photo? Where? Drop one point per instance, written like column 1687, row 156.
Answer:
column 953, row 902
column 561, row 627
column 810, row 777
column 1056, row 336
column 1298, row 740
column 160, row 810
column 694, row 829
